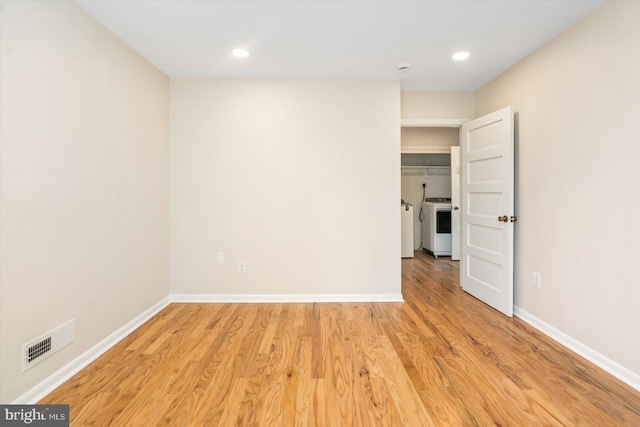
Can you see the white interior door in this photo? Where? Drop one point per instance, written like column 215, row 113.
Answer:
column 455, row 203
column 486, row 264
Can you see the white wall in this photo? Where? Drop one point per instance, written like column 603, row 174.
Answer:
column 437, row 105
column 300, row 179
column 577, row 104
column 84, row 184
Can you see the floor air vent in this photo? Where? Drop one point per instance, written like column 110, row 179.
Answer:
column 37, row 350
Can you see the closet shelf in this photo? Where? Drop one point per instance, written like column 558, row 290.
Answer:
column 432, row 123
column 419, row 170
column 425, row 167
column 409, row 149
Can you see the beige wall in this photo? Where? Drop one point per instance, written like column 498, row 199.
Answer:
column 437, row 105
column 84, row 184
column 300, row 179
column 577, row 104
column 417, row 139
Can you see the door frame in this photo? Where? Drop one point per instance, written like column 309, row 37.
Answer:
column 456, row 213
column 432, row 123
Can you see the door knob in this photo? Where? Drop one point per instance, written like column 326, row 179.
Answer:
column 455, row 208
column 514, row 218
column 503, row 218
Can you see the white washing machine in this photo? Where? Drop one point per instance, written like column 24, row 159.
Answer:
column 436, row 226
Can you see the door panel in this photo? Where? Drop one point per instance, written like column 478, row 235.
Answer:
column 485, row 238
column 486, row 264
column 484, row 171
column 484, row 204
column 485, row 272
column 484, row 138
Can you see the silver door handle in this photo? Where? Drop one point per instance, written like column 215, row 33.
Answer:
column 503, row 218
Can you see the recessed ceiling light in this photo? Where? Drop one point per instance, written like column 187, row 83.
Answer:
column 460, row 56
column 240, row 53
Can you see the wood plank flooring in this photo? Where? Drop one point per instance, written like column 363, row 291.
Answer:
column 442, row 358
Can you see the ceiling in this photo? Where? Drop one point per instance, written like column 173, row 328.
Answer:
column 339, row 39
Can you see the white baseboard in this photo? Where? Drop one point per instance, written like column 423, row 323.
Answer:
column 67, row 371
column 286, row 298
column 615, row 369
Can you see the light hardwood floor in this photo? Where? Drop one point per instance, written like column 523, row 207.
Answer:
column 442, row 358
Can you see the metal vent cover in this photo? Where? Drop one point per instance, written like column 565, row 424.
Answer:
column 39, row 349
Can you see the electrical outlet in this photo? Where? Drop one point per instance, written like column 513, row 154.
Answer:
column 220, row 258
column 242, row 266
column 537, row 279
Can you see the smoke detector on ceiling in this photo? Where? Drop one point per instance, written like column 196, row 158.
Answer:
column 404, row 66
